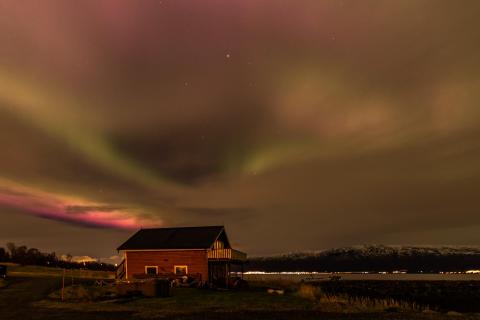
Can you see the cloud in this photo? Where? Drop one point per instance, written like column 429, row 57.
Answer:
column 75, row 209
column 216, row 211
column 115, row 260
column 68, row 208
column 78, row 259
column 334, row 122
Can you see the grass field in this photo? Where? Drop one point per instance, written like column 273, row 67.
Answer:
column 189, row 303
column 16, row 270
column 33, row 293
column 460, row 296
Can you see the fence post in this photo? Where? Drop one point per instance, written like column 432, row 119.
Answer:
column 63, row 282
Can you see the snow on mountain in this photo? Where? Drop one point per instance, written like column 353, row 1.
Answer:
column 386, row 250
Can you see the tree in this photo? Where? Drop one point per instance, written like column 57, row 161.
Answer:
column 3, row 254
column 21, row 254
column 33, row 256
column 12, row 248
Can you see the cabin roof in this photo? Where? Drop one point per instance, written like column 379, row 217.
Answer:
column 174, row 238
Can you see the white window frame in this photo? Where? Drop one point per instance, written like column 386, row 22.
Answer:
column 156, row 269
column 180, row 266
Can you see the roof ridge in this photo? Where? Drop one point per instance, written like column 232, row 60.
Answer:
column 186, row 227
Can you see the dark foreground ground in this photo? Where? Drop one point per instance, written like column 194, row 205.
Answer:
column 18, row 298
column 460, row 296
column 31, row 298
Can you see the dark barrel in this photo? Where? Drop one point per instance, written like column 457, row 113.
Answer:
column 164, row 288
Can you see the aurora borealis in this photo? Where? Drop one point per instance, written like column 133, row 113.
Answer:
column 298, row 124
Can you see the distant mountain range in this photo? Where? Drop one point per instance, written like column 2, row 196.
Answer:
column 374, row 258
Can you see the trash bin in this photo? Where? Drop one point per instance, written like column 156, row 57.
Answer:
column 163, row 288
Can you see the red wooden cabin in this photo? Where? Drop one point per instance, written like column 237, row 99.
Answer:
column 203, row 253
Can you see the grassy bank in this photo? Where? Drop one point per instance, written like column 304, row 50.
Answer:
column 302, row 302
column 305, row 298
column 16, row 270
column 460, row 296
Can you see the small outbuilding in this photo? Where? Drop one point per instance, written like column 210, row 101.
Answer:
column 200, row 253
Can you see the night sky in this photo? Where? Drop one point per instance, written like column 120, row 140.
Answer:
column 300, row 125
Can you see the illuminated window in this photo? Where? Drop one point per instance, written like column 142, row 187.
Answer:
column 151, row 270
column 180, row 270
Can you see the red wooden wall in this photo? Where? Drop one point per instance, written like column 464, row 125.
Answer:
column 196, row 260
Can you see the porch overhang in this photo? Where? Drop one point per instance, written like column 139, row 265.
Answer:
column 227, row 255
